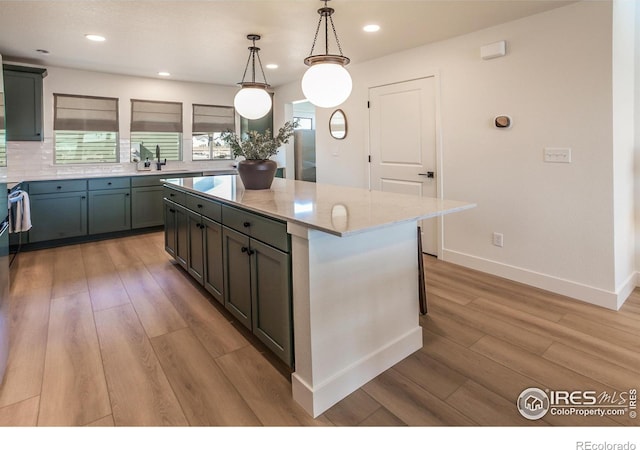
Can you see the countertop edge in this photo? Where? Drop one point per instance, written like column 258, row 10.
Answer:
column 317, row 227
column 142, row 173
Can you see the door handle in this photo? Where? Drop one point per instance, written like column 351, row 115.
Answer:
column 428, row 174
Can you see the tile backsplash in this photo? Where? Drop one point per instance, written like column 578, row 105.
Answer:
column 27, row 160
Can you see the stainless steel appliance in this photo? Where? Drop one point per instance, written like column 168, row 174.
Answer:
column 4, row 282
column 304, row 145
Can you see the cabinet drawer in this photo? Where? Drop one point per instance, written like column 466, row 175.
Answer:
column 175, row 196
column 50, row 187
column 96, row 184
column 154, row 180
column 206, row 207
column 270, row 231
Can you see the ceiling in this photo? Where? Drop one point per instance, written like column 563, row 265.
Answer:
column 205, row 41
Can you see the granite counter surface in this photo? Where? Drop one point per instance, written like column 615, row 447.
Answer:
column 337, row 210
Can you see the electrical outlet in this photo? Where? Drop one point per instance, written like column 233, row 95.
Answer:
column 498, row 239
column 557, row 155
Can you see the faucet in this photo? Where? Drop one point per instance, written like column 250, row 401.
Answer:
column 159, row 164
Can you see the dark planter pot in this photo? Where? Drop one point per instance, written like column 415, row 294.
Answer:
column 257, row 173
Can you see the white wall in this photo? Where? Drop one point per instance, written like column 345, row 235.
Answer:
column 556, row 84
column 637, row 145
column 35, row 159
column 623, row 143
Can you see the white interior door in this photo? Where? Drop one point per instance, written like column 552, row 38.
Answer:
column 402, row 128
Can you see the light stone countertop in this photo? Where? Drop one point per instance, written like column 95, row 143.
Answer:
column 338, row 210
column 13, row 180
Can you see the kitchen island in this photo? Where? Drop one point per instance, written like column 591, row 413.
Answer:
column 354, row 274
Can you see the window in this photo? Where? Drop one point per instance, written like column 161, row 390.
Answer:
column 304, row 123
column 209, row 122
column 156, row 127
column 3, row 134
column 85, row 129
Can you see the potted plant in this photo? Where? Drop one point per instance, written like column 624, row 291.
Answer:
column 257, row 170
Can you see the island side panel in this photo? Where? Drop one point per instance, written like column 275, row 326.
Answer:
column 355, row 309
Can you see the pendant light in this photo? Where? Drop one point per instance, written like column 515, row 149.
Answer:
column 326, row 83
column 253, row 101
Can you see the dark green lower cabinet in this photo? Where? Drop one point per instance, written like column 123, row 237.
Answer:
column 213, row 271
column 258, row 290
column 58, row 216
column 195, row 254
column 249, row 274
column 176, row 232
column 170, row 228
column 109, row 210
column 146, row 206
column 238, row 275
column 271, row 298
column 182, row 236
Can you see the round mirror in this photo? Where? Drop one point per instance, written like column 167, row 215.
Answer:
column 338, row 124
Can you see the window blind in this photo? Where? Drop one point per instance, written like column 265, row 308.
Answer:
column 2, row 127
column 170, row 145
column 85, row 113
column 154, row 116
column 213, row 119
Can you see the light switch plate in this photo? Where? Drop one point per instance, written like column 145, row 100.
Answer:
column 557, row 155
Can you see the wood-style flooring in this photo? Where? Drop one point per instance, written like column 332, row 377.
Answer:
column 114, row 333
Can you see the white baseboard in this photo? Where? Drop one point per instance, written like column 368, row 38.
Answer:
column 316, row 400
column 589, row 294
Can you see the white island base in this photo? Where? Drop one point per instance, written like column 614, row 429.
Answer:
column 355, row 309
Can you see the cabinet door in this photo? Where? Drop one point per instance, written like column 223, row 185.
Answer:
column 23, row 101
column 146, row 206
column 182, row 236
column 237, row 269
column 213, row 272
column 196, row 245
column 271, row 298
column 170, row 228
column 57, row 216
column 109, row 210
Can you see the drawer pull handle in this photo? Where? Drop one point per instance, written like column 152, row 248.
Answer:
column 199, row 205
column 58, row 187
column 126, row 195
column 247, row 224
column 244, row 249
column 172, row 210
column 109, row 183
column 172, row 195
column 83, row 197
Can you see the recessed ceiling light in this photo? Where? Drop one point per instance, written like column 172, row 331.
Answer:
column 164, row 74
column 271, row 66
column 95, row 37
column 372, row 28
column 43, row 51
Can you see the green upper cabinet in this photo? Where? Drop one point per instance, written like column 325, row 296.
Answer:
column 23, row 102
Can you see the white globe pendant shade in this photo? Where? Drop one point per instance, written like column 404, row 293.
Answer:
column 252, row 102
column 326, row 84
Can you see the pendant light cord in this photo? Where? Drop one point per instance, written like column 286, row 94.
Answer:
column 324, row 13
column 253, row 52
